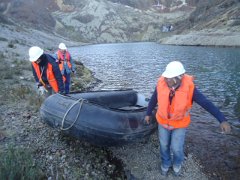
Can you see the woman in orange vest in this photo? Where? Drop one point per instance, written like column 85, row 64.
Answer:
column 66, row 65
column 46, row 72
column 174, row 94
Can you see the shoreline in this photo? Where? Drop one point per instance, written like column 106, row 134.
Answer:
column 205, row 38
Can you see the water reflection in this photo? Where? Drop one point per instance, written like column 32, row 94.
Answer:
column 217, row 75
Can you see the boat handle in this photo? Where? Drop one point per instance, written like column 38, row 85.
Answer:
column 65, row 115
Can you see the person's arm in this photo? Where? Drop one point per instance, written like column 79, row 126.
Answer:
column 35, row 74
column 55, row 56
column 57, row 73
column 200, row 99
column 151, row 105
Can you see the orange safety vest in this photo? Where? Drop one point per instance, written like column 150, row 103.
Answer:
column 61, row 58
column 50, row 76
column 176, row 114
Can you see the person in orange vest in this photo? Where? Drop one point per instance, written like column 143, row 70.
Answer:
column 174, row 95
column 46, row 72
column 66, row 65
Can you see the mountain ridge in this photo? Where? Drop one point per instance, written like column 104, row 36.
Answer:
column 111, row 21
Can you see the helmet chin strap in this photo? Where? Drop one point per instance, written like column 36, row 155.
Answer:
column 177, row 83
column 175, row 86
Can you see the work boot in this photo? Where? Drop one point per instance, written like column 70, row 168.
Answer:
column 164, row 171
column 177, row 170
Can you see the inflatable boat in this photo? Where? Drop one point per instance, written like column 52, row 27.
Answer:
column 105, row 118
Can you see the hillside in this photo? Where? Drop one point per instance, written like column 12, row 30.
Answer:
column 130, row 20
column 214, row 23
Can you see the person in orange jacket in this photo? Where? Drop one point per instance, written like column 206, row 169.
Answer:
column 66, row 65
column 45, row 71
column 174, row 94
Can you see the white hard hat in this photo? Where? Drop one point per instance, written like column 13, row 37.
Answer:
column 34, row 53
column 173, row 69
column 62, row 46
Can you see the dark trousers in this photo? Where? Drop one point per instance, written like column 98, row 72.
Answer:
column 67, row 82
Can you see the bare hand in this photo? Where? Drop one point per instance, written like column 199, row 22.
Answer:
column 147, row 119
column 225, row 127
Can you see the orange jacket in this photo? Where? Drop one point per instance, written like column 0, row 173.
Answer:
column 61, row 58
column 50, row 76
column 176, row 114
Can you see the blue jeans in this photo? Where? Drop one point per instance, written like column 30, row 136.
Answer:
column 171, row 140
column 67, row 82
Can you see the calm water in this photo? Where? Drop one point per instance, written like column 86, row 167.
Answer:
column 217, row 75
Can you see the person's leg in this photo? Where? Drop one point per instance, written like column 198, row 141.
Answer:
column 177, row 145
column 165, row 139
column 67, row 82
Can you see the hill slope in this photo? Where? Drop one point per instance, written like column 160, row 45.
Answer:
column 94, row 21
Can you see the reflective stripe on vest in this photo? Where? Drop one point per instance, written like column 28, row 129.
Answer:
column 62, row 59
column 176, row 114
column 50, row 76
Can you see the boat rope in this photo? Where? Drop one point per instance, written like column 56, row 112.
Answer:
column 65, row 115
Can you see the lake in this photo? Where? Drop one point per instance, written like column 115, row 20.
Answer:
column 217, row 76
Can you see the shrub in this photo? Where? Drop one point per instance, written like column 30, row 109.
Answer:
column 3, row 39
column 85, row 18
column 35, row 101
column 18, row 164
column 11, row 45
column 20, row 92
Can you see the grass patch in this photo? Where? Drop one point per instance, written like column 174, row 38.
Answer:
column 18, row 163
column 12, row 43
column 20, row 92
column 85, row 18
column 35, row 101
column 21, row 65
column 16, row 69
column 82, row 78
column 3, row 39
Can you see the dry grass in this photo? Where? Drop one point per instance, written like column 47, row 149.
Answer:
column 17, row 163
column 82, row 78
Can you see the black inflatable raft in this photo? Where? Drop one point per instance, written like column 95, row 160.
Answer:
column 105, row 118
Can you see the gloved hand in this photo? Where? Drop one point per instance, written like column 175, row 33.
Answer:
column 38, row 84
column 41, row 90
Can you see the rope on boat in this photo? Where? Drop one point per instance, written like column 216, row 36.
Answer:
column 65, row 115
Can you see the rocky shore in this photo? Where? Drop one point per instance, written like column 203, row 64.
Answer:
column 58, row 156
column 209, row 37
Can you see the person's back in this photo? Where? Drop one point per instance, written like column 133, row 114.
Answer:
column 46, row 71
column 66, row 65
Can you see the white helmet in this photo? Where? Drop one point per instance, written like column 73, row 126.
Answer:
column 173, row 69
column 34, row 53
column 62, row 46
